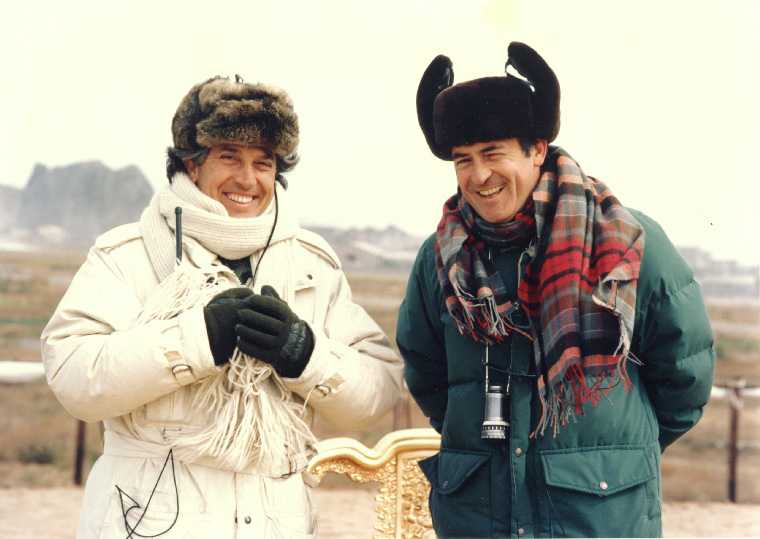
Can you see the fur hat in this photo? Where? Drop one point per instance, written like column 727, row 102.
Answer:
column 491, row 108
column 222, row 111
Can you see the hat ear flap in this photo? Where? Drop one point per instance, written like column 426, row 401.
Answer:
column 438, row 76
column 546, row 95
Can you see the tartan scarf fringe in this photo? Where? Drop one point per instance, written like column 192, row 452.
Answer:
column 488, row 325
column 489, row 322
column 565, row 401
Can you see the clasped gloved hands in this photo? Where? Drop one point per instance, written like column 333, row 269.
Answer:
column 270, row 331
column 261, row 326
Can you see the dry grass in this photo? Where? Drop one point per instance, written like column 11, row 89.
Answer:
column 31, row 285
column 738, row 350
column 35, row 426
column 744, row 314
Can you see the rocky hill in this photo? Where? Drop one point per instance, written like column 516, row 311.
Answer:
column 70, row 206
column 10, row 200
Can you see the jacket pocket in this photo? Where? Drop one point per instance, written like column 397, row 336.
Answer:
column 611, row 491
column 460, row 503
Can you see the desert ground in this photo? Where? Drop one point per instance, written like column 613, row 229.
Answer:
column 348, row 513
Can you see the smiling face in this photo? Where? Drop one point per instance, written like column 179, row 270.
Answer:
column 241, row 178
column 497, row 178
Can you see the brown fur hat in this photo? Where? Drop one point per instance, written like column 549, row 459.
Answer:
column 491, row 108
column 222, row 111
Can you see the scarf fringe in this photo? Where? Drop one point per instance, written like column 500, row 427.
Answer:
column 565, row 401
column 184, row 288
column 253, row 419
column 480, row 317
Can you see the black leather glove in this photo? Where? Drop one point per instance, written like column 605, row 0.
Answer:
column 221, row 316
column 271, row 332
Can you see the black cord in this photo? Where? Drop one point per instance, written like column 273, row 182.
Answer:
column 269, row 239
column 131, row 530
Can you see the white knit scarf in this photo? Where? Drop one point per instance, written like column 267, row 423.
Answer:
column 253, row 420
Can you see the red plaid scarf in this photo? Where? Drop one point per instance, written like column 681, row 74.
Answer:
column 579, row 291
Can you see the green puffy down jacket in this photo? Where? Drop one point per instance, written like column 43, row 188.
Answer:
column 600, row 475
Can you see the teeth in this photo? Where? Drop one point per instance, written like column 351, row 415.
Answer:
column 491, row 191
column 239, row 198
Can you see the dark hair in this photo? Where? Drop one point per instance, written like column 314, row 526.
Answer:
column 176, row 157
column 526, row 143
column 286, row 164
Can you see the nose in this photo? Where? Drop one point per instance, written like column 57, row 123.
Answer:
column 246, row 177
column 480, row 172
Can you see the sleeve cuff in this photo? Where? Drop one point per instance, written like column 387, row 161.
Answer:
column 187, row 349
column 323, row 374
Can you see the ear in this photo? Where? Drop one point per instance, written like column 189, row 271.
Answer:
column 539, row 152
column 192, row 170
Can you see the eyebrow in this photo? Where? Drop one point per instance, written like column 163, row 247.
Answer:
column 225, row 148
column 487, row 149
column 268, row 154
column 490, row 148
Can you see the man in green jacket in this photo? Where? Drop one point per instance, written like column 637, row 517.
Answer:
column 554, row 337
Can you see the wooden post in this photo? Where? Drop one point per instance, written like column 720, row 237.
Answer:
column 734, row 387
column 79, row 457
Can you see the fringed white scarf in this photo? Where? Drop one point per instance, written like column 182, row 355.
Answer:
column 253, row 420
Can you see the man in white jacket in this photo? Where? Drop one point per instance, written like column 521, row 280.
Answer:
column 206, row 336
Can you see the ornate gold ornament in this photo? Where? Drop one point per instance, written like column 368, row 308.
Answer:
column 403, row 492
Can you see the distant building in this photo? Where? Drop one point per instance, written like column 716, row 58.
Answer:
column 722, row 279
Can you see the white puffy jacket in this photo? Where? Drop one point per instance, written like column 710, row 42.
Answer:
column 136, row 380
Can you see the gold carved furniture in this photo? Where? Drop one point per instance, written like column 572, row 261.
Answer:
column 403, row 492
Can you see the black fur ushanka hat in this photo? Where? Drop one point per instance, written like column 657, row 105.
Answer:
column 490, row 108
column 219, row 110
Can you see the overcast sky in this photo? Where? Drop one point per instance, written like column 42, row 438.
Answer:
column 660, row 100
